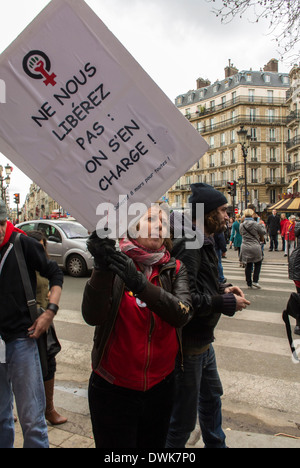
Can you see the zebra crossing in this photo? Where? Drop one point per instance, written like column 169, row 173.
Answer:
column 253, row 354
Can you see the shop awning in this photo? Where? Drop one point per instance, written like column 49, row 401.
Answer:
column 290, row 205
column 293, row 183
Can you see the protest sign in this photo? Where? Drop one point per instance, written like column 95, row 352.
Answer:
column 84, row 121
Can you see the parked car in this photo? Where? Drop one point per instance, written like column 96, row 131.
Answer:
column 66, row 244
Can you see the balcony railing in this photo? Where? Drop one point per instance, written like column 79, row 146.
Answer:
column 293, row 116
column 293, row 167
column 259, row 100
column 293, row 142
column 243, row 120
column 275, row 181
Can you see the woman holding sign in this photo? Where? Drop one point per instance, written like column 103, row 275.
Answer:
column 138, row 299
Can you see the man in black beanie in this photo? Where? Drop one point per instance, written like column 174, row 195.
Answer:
column 198, row 388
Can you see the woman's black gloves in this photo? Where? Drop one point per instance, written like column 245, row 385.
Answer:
column 125, row 268
column 101, row 250
column 106, row 257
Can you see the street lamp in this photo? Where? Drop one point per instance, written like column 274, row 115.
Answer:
column 244, row 140
column 8, row 170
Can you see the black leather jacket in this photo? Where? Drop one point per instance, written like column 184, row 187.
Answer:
column 103, row 294
column 209, row 300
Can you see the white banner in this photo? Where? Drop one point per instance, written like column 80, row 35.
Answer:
column 84, row 121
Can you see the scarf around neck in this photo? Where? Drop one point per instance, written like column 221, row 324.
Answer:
column 145, row 258
column 10, row 228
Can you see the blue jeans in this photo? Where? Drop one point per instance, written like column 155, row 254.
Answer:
column 22, row 376
column 198, row 391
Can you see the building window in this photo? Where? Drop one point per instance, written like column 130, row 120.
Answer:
column 272, row 134
column 232, row 136
column 254, row 155
column 271, row 115
column 254, row 179
column 272, row 154
column 270, row 96
column 251, row 93
column 253, row 134
column 252, row 115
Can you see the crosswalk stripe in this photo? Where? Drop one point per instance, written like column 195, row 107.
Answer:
column 252, row 342
column 263, row 279
column 258, row 316
column 73, row 353
column 70, row 316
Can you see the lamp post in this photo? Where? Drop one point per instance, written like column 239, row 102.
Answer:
column 244, row 140
column 6, row 179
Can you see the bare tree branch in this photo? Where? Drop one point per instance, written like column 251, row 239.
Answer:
column 283, row 17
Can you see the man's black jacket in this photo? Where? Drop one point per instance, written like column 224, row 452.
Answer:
column 209, row 300
column 14, row 314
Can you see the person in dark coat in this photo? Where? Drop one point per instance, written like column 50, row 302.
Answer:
column 273, row 226
column 294, row 270
column 20, row 368
column 198, row 388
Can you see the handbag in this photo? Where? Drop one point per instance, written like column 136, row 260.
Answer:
column 48, row 343
column 261, row 238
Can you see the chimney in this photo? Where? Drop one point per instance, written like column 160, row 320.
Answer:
column 230, row 70
column 272, row 66
column 201, row 83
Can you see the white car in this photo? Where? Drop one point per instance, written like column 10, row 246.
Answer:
column 66, row 244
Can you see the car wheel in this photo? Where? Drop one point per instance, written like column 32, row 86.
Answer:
column 76, row 266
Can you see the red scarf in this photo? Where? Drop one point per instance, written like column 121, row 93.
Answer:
column 10, row 228
column 145, row 257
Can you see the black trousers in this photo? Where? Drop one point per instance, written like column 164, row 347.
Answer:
column 124, row 418
column 256, row 272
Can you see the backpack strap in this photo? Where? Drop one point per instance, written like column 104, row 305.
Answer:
column 178, row 265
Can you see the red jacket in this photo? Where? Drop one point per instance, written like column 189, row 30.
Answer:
column 142, row 343
column 283, row 227
column 290, row 231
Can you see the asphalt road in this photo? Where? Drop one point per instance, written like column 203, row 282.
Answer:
column 261, row 383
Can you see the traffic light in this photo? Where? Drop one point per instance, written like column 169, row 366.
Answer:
column 17, row 198
column 231, row 188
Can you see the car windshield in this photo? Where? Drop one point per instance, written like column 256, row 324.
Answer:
column 73, row 230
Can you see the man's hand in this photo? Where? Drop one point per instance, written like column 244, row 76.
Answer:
column 241, row 303
column 234, row 290
column 41, row 325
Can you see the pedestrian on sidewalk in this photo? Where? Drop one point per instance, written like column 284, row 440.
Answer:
column 251, row 252
column 136, row 298
column 283, row 228
column 236, row 238
column 20, row 367
column 273, row 227
column 198, row 388
column 221, row 248
column 42, row 299
column 290, row 238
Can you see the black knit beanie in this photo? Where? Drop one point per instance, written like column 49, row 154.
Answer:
column 204, row 193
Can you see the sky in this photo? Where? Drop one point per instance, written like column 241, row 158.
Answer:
column 175, row 41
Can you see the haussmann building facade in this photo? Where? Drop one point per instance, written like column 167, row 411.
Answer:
column 256, row 100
